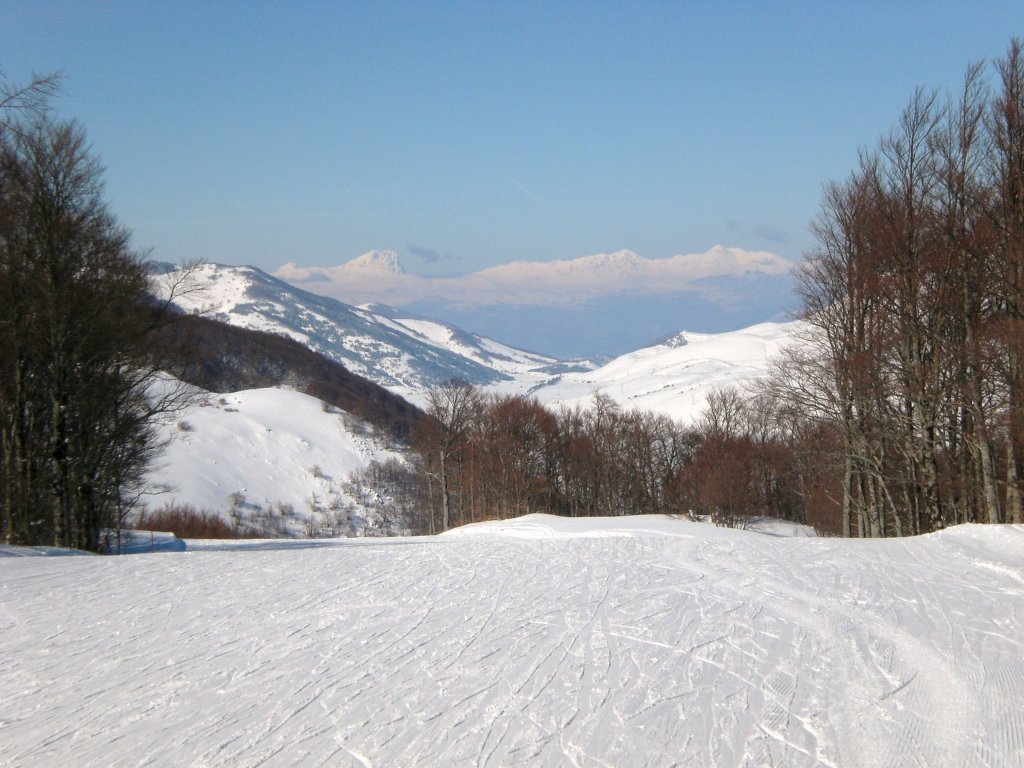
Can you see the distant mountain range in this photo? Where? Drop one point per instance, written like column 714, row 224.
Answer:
column 379, row 276
column 605, row 304
column 408, row 354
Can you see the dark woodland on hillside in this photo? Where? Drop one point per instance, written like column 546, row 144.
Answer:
column 226, row 359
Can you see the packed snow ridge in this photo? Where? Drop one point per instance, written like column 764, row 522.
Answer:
column 676, row 376
column 541, row 642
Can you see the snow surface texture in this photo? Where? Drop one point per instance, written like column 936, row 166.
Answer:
column 547, row 642
column 274, row 446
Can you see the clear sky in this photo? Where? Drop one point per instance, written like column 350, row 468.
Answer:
column 468, row 134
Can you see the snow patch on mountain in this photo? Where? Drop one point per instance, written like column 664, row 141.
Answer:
column 491, row 354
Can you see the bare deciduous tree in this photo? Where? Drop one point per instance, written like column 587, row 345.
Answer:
column 78, row 362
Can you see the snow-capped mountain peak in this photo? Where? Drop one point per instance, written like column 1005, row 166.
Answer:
column 620, row 261
column 380, row 262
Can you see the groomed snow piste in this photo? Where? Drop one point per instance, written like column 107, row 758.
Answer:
column 543, row 642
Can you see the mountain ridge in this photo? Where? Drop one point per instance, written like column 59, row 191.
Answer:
column 676, row 375
column 408, row 353
column 403, row 352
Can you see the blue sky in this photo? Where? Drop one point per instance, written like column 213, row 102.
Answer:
column 464, row 135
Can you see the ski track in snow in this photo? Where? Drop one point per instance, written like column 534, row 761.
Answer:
column 708, row 648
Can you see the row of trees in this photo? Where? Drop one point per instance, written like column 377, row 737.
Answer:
column 913, row 354
column 77, row 319
column 499, row 456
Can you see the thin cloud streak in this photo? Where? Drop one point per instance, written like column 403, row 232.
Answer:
column 530, row 193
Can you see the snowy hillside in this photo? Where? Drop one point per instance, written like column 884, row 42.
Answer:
column 408, row 354
column 647, row 642
column 674, row 377
column 271, row 446
column 401, row 352
column 508, row 362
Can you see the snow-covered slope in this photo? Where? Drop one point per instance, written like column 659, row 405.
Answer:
column 675, row 376
column 401, row 352
column 271, row 446
column 662, row 643
column 508, row 362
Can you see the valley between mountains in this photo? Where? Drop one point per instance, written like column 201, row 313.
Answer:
column 275, row 445
column 408, row 354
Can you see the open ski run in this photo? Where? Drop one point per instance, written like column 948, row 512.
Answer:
column 541, row 642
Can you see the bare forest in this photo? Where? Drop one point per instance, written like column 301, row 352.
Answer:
column 913, row 301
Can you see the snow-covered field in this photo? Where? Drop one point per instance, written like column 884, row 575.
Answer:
column 630, row 642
